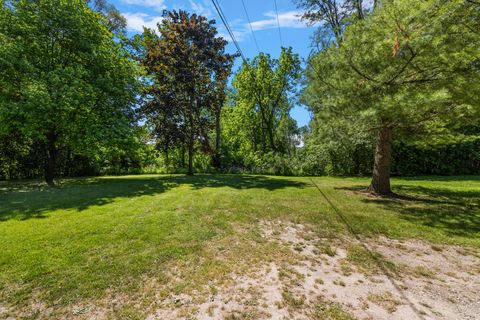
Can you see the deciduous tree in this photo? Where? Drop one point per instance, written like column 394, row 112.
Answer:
column 65, row 83
column 264, row 88
column 188, row 70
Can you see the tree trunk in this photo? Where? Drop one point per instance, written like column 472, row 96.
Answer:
column 270, row 137
column 216, row 158
column 359, row 8
column 167, row 162
column 264, row 145
column 182, row 155
column 190, row 155
column 50, row 163
column 191, row 140
column 381, row 169
column 356, row 159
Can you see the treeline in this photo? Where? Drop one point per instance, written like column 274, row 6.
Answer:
column 393, row 88
column 68, row 88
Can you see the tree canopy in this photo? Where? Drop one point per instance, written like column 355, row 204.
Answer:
column 66, row 84
column 189, row 69
column 409, row 68
column 262, row 94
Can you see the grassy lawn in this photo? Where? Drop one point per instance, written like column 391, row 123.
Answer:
column 90, row 238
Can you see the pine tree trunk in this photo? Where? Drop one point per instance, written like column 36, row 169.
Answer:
column 381, row 169
column 50, row 163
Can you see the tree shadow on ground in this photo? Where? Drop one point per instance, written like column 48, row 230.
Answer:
column 454, row 212
column 32, row 199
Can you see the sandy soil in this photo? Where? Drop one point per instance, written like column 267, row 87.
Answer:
column 412, row 280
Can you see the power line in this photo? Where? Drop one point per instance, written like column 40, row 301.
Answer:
column 247, row 66
column 250, row 24
column 227, row 26
column 278, row 23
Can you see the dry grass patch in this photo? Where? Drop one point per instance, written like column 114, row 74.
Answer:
column 386, row 300
column 368, row 262
column 327, row 310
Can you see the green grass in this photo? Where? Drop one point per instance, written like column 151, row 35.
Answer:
column 330, row 311
column 88, row 237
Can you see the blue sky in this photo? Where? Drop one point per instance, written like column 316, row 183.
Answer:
column 294, row 32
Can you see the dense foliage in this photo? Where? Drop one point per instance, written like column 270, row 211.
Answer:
column 257, row 126
column 392, row 86
column 67, row 89
column 188, row 71
column 409, row 69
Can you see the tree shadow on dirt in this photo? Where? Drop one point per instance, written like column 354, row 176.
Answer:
column 32, row 199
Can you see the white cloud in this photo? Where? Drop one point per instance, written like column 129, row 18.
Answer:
column 204, row 8
column 240, row 35
column 158, row 5
column 136, row 21
column 289, row 19
column 239, row 28
column 201, row 8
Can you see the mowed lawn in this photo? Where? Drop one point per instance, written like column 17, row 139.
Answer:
column 92, row 238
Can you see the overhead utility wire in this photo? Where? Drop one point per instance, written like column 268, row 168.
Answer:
column 278, row 23
column 227, row 26
column 247, row 66
column 251, row 28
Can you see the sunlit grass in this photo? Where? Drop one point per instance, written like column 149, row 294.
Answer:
column 87, row 237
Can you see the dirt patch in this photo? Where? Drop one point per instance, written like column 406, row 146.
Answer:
column 444, row 280
column 35, row 309
column 340, row 278
column 248, row 298
column 3, row 312
column 387, row 279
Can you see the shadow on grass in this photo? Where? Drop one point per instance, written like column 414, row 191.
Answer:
column 30, row 199
column 473, row 178
column 454, row 212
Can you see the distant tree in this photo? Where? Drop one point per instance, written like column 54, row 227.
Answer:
column 65, row 83
column 115, row 22
column 188, row 70
column 263, row 92
column 409, row 69
column 333, row 16
column 220, row 89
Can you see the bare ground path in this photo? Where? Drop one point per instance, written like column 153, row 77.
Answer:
column 340, row 279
